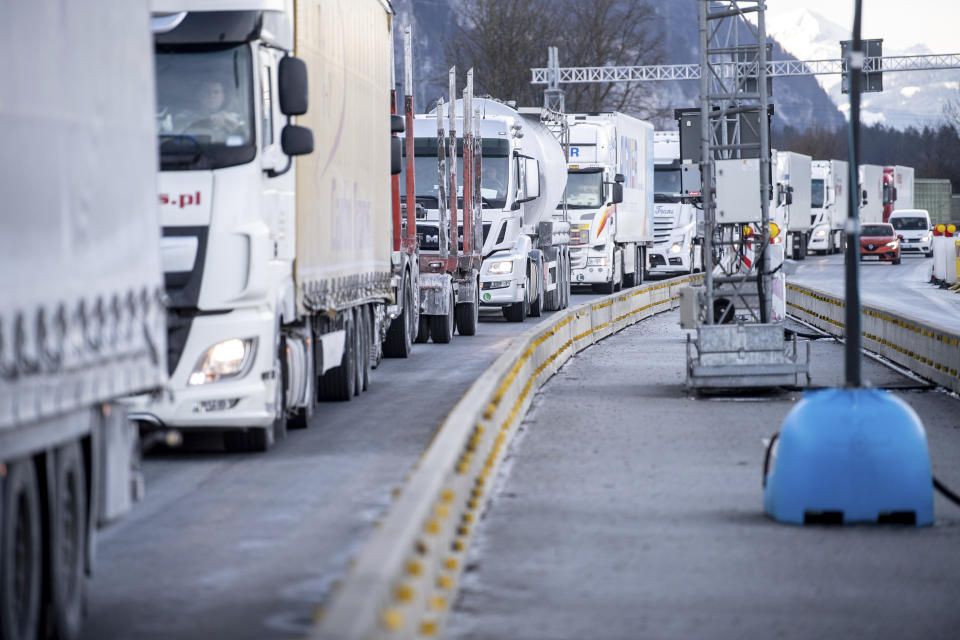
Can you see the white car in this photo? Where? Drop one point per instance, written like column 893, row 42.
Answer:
column 914, row 229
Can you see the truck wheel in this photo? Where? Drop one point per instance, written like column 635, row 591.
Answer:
column 68, row 541
column 403, row 328
column 253, row 440
column 605, row 287
column 360, row 350
column 282, row 377
column 21, row 553
column 566, row 283
column 423, row 330
column 441, row 327
column 536, row 306
column 340, row 382
column 368, row 345
column 516, row 312
column 468, row 316
column 630, row 279
column 300, row 418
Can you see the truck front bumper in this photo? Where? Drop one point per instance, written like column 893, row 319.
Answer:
column 501, row 292
column 240, row 402
column 664, row 262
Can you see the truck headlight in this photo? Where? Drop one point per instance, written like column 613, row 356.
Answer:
column 892, row 244
column 228, row 359
column 820, row 233
column 597, row 262
column 925, row 238
column 501, row 267
column 677, row 247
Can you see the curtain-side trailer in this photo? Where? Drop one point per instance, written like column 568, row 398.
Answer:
column 81, row 318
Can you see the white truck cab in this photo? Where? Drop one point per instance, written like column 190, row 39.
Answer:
column 525, row 264
column 677, row 242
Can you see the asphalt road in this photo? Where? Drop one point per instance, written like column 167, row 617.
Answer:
column 905, row 286
column 246, row 546
column 628, row 508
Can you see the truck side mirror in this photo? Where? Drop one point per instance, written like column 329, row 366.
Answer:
column 789, row 197
column 396, row 155
column 616, row 195
column 531, row 179
column 863, row 197
column 619, row 178
column 292, row 83
column 396, row 124
column 296, row 140
column 895, row 197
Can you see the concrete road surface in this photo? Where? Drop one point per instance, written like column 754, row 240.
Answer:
column 904, row 287
column 246, row 546
column 628, row 508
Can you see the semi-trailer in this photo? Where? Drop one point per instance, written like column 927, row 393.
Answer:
column 609, row 197
column 871, row 193
column 828, row 205
column 281, row 278
column 81, row 318
column 897, row 189
column 793, row 180
column 678, row 234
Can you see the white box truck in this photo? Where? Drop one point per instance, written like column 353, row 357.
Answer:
column 81, row 318
column 612, row 227
column 828, row 205
column 792, row 178
column 280, row 272
column 897, row 189
column 677, row 241
column 871, row 193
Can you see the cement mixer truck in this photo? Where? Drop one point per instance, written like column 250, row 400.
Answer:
column 526, row 229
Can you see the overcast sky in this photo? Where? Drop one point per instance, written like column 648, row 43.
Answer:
column 902, row 23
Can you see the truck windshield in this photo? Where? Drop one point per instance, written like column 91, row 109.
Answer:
column 816, row 194
column 494, row 169
column 204, row 107
column 584, row 190
column 666, row 184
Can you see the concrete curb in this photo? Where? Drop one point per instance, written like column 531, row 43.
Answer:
column 405, row 579
column 930, row 351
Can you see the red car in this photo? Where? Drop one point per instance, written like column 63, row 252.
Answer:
column 878, row 241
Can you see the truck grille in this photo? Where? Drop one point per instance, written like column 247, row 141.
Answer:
column 662, row 230
column 578, row 258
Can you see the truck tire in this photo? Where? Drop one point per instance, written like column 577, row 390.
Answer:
column 68, row 540
column 630, row 279
column 536, row 306
column 369, row 345
column 604, row 287
column 403, row 328
column 21, row 553
column 516, row 312
column 423, row 329
column 360, row 350
column 282, row 376
column 252, row 440
column 441, row 327
column 468, row 316
column 300, row 417
column 567, row 282
column 339, row 383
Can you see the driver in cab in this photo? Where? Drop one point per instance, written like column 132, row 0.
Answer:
column 211, row 115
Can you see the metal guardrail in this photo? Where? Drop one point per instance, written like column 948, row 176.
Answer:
column 930, row 351
column 403, row 582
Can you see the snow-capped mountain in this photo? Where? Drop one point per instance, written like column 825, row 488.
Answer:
column 909, row 98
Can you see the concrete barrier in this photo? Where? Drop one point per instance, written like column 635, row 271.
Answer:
column 404, row 580
column 930, row 351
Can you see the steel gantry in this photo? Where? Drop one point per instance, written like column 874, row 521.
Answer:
column 775, row 69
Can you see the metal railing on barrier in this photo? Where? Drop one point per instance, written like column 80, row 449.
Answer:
column 404, row 580
column 930, row 351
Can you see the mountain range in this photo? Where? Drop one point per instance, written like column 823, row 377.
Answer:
column 913, row 98
column 800, row 102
